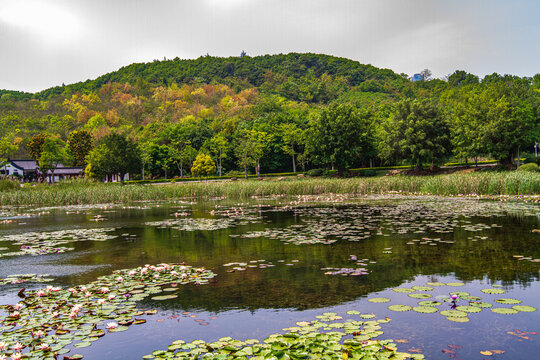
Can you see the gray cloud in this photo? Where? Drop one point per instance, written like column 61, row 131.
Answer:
column 47, row 42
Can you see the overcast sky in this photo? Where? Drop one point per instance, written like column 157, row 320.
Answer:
column 45, row 43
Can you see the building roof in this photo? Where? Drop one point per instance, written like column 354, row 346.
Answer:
column 31, row 166
column 26, row 165
column 68, row 171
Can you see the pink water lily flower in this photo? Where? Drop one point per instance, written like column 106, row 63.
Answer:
column 111, row 325
column 16, row 356
column 18, row 347
column 44, row 347
column 2, row 345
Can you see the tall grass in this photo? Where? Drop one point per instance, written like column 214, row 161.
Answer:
column 6, row 184
column 85, row 192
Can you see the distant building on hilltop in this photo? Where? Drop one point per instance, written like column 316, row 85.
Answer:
column 417, row 77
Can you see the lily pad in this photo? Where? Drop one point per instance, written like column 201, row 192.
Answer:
column 403, row 290
column 82, row 344
column 425, row 309
column 435, row 284
column 524, row 308
column 429, row 303
column 420, row 296
column 379, row 300
column 399, row 307
column 164, row 297
column 458, row 319
column 469, row 309
column 422, row 288
column 455, row 284
column 505, row 311
column 480, row 304
column 508, row 301
column 493, row 291
column 453, row 313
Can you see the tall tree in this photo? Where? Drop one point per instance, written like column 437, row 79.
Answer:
column 416, row 131
column 53, row 153
column 79, row 144
column 250, row 145
column 116, row 155
column 341, row 136
column 218, row 146
column 35, row 146
column 293, row 137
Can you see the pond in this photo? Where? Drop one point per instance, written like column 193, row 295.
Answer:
column 279, row 262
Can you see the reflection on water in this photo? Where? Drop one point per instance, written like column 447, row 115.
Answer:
column 395, row 243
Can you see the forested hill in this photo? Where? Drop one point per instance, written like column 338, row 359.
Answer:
column 175, row 109
column 237, row 71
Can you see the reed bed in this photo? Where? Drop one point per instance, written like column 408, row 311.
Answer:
column 86, row 192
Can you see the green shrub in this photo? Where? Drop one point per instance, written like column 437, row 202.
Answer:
column 9, row 185
column 315, row 172
column 532, row 159
column 530, row 167
column 234, row 173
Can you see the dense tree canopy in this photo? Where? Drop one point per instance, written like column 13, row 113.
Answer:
column 341, row 136
column 115, row 155
column 417, row 131
column 314, row 111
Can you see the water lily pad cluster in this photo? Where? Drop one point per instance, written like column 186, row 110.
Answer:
column 429, row 241
column 318, row 225
column 50, row 320
column 461, row 303
column 205, row 224
column 241, row 266
column 23, row 278
column 43, row 243
column 345, row 271
column 526, row 258
column 321, row 339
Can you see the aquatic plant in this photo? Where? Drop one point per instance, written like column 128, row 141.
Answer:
column 323, row 338
column 501, row 183
column 47, row 321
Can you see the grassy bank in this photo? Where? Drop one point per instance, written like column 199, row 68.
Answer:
column 83, row 192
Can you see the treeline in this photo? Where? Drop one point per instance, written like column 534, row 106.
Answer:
column 276, row 113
